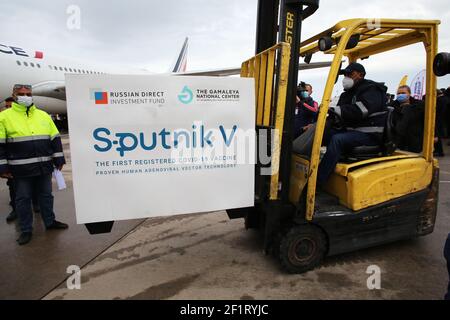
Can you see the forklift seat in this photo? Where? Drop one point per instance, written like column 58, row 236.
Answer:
column 387, row 147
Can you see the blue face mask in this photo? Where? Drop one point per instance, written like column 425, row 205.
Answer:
column 402, row 97
column 305, row 94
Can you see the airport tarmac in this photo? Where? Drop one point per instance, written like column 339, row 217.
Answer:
column 207, row 256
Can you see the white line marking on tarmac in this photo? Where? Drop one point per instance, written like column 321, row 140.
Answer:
column 444, row 181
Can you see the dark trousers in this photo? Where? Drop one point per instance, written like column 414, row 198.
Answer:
column 447, row 257
column 25, row 187
column 339, row 142
column 12, row 196
column 12, row 193
column 438, row 147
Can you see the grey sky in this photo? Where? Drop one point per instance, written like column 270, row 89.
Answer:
column 149, row 34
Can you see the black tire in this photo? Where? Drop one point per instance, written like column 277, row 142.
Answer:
column 302, row 248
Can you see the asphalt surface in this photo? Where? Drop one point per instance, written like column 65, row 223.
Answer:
column 31, row 271
column 208, row 256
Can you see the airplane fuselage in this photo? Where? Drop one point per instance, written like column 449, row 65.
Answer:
column 21, row 66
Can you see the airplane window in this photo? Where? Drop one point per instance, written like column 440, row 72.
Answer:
column 50, row 67
column 65, row 69
column 60, row 68
column 70, row 69
column 25, row 64
column 38, row 65
column 32, row 64
column 18, row 63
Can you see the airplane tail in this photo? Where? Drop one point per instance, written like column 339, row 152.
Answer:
column 181, row 61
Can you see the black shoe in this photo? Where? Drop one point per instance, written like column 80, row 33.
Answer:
column 57, row 225
column 24, row 238
column 11, row 216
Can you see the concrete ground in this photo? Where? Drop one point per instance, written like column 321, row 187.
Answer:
column 31, row 271
column 207, row 256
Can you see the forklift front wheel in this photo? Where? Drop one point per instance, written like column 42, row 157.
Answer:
column 302, row 248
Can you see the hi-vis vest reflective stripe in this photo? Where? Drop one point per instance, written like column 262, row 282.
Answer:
column 28, row 136
column 32, row 138
column 29, row 160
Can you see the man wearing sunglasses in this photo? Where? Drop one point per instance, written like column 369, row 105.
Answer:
column 30, row 149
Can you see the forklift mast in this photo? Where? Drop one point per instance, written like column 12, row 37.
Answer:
column 288, row 26
column 282, row 18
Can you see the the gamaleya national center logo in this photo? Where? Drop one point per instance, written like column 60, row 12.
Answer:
column 99, row 96
column 186, row 96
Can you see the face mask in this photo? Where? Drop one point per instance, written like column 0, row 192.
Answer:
column 402, row 97
column 305, row 94
column 25, row 101
column 348, row 83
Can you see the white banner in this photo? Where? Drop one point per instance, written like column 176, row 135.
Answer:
column 146, row 146
column 418, row 85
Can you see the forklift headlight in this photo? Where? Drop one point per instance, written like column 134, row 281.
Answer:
column 441, row 65
column 325, row 43
column 308, row 58
column 353, row 41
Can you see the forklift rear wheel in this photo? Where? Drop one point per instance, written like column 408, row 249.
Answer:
column 302, row 248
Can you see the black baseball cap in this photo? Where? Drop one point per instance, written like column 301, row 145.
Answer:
column 354, row 66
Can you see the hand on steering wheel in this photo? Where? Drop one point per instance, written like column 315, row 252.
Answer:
column 335, row 118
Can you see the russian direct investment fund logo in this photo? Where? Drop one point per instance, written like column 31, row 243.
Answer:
column 99, row 96
column 186, row 95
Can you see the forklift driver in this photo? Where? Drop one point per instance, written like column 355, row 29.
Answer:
column 358, row 119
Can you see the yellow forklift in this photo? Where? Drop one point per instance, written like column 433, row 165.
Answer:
column 379, row 194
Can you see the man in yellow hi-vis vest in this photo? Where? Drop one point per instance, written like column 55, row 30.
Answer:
column 30, row 149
